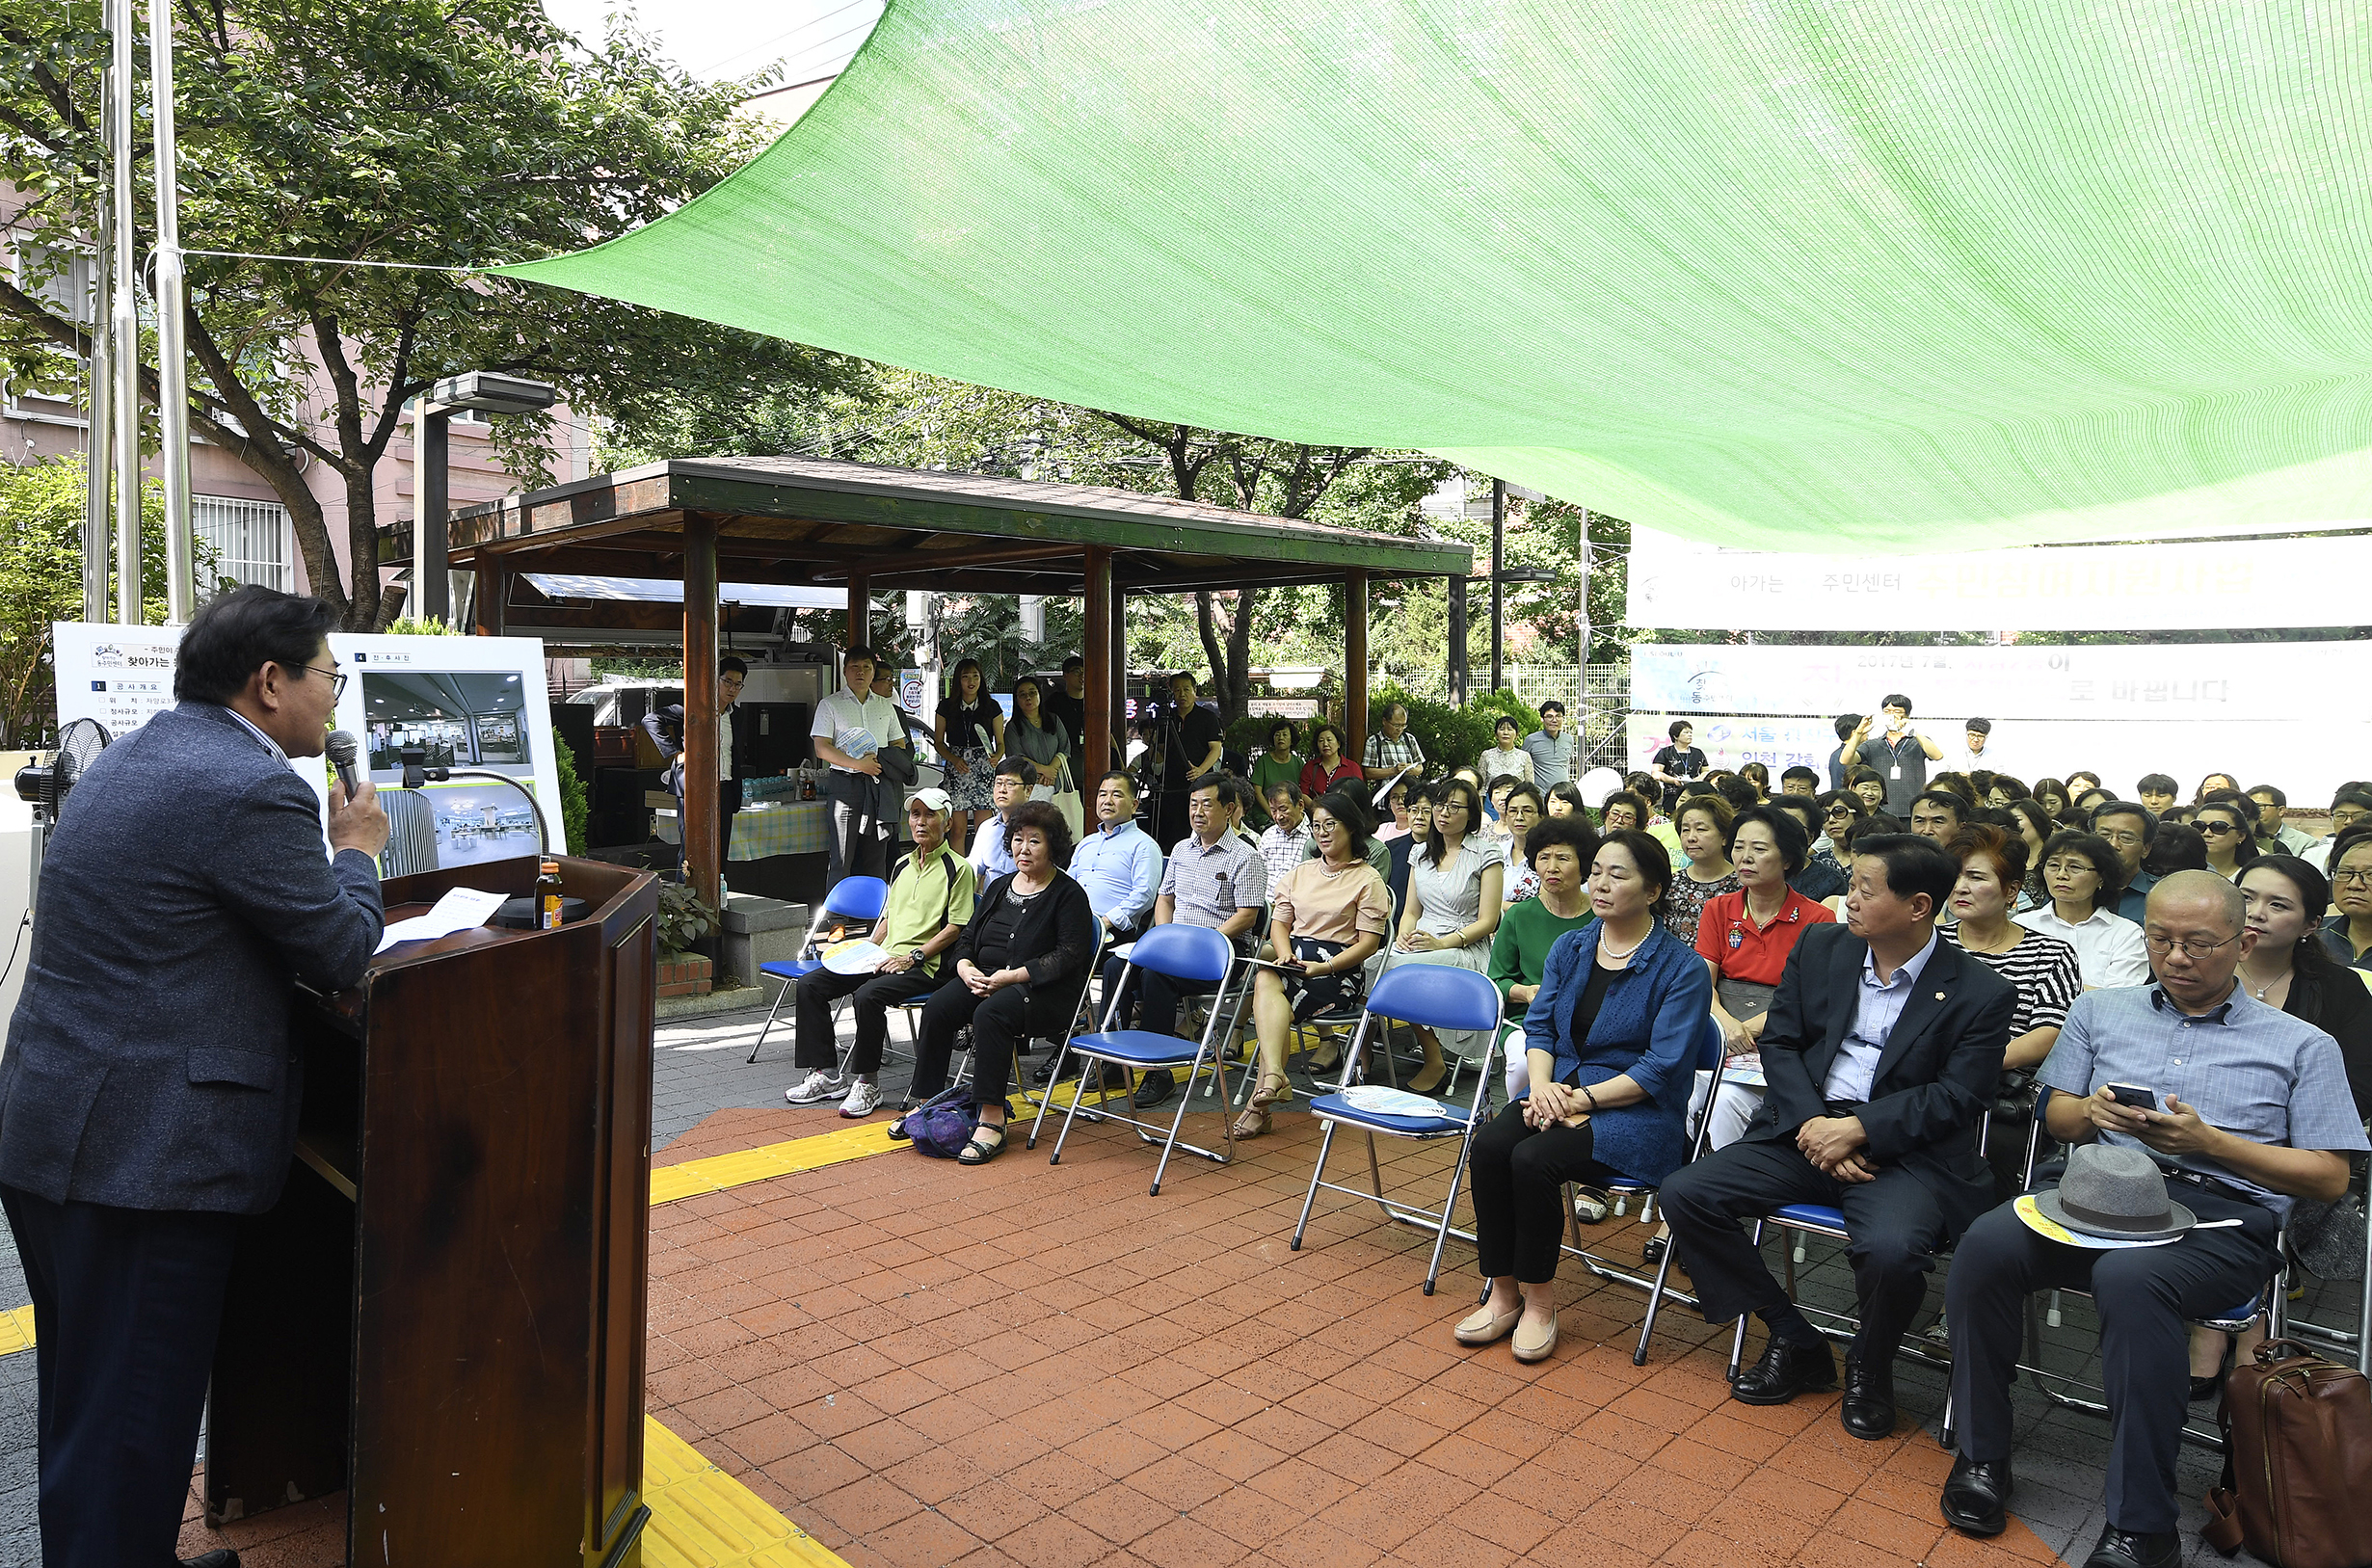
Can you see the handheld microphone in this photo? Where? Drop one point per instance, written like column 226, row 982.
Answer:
column 341, row 750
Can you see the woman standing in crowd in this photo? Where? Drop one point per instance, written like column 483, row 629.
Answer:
column 1562, row 849
column 970, row 736
column 1279, row 765
column 2083, row 876
column 1036, row 737
column 1327, row 766
column 1609, row 1039
column 1327, row 918
column 1020, row 966
column 2230, row 827
column 2291, row 969
column 1678, row 762
column 2213, row 782
column 1452, row 911
column 2348, row 933
column 1703, row 822
column 2043, row 969
column 1506, row 757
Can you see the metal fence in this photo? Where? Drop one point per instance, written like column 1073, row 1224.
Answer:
column 1604, row 706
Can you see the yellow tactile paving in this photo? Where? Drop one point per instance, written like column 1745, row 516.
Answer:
column 703, row 1518
column 17, row 1329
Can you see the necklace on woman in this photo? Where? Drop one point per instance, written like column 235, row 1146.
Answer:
column 2258, row 990
column 1606, row 950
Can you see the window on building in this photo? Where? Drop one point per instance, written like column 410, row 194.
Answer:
column 251, row 539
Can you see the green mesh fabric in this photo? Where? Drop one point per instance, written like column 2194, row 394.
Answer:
column 1783, row 273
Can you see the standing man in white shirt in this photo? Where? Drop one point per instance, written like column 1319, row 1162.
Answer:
column 857, row 836
column 1977, row 747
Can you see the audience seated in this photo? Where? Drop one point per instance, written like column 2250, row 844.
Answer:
column 1451, row 914
column 1011, row 787
column 1279, row 765
column 929, row 902
column 1327, row 766
column 1815, row 880
column 1213, row 878
column 1609, row 1039
column 1518, row 813
column 1020, row 966
column 1706, row 874
column 2274, row 833
column 2228, row 823
column 1327, row 916
column 2083, row 876
column 2348, row 932
column 1938, row 813
column 2127, row 829
column 1118, row 863
column 2255, row 1113
column 1882, row 1052
column 1285, row 843
column 1562, row 850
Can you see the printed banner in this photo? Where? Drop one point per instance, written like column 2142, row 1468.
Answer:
column 1681, row 584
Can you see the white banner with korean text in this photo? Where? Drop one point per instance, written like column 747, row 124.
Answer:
column 2263, row 710
column 1685, row 585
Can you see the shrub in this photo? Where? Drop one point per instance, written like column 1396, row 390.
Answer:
column 685, row 918
column 576, row 809
column 1490, row 705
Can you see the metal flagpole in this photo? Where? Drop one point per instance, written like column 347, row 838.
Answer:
column 124, row 326
column 96, row 523
column 173, row 397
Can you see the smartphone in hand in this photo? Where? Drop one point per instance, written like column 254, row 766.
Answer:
column 2133, row 1096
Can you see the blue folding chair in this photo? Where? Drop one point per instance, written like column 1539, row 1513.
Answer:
column 1435, row 996
column 1192, row 953
column 852, row 899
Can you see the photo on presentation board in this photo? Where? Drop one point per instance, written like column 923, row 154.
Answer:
column 475, row 821
column 461, row 719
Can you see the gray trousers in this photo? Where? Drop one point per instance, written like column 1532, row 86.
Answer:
column 2146, row 1297
column 855, row 837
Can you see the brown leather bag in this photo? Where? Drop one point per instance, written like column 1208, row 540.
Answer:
column 2297, row 1461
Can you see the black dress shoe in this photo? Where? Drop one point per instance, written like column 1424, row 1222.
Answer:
column 1977, row 1496
column 2129, row 1549
column 1153, row 1089
column 1785, row 1370
column 2205, row 1388
column 1867, row 1407
column 220, row 1558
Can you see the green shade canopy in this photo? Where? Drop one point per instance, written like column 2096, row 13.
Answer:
column 1808, row 274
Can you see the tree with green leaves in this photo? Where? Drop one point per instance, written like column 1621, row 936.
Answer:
column 380, row 131
column 40, row 581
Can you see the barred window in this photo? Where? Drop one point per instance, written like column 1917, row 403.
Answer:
column 250, row 538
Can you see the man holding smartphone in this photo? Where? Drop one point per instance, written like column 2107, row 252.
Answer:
column 1902, row 753
column 2249, row 1111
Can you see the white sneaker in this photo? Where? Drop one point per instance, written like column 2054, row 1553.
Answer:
column 816, row 1088
column 864, row 1098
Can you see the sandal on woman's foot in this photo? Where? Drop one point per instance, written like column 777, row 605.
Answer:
column 1592, row 1203
column 1482, row 1327
column 1653, row 1252
column 897, row 1124
column 1441, row 1080
column 979, row 1150
column 1256, row 1119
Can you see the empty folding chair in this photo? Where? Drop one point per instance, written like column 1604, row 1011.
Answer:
column 1437, row 997
column 852, row 902
column 1192, row 953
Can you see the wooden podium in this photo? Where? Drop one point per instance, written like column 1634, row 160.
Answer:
column 444, row 1313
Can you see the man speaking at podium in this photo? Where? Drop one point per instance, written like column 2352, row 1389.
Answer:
column 149, row 1092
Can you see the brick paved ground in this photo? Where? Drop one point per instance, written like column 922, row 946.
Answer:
column 924, row 1363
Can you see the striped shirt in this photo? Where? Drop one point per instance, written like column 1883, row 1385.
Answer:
column 1281, row 851
column 2045, row 969
column 1209, row 882
column 1383, row 752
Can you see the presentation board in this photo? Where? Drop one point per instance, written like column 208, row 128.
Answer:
column 1682, row 584
column 478, row 703
column 2263, row 710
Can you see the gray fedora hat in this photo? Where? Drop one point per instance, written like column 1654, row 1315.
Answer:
column 2115, row 1192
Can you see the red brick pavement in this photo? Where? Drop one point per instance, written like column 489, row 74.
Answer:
column 924, row 1363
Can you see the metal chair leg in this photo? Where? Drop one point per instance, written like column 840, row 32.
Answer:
column 1301, row 1226
column 778, row 998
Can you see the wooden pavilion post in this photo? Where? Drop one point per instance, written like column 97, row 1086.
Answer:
column 1354, row 663
column 493, row 595
column 703, row 853
column 860, row 611
column 1097, row 576
column 1118, row 706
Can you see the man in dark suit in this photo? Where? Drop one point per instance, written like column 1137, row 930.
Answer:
column 1881, row 1052
column 149, row 1095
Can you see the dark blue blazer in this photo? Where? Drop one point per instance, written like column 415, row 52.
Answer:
column 1936, row 1079
column 184, row 894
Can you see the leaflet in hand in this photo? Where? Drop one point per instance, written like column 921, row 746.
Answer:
column 459, row 910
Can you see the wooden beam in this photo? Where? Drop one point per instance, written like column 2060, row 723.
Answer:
column 1354, row 662
column 703, row 853
column 859, row 614
column 1098, row 652
column 625, row 615
column 919, row 560
column 1120, row 673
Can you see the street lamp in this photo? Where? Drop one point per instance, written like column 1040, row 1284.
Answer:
column 481, row 392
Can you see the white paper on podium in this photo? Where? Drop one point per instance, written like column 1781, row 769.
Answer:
column 458, row 909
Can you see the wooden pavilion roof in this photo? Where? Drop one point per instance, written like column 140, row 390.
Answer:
column 816, row 520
